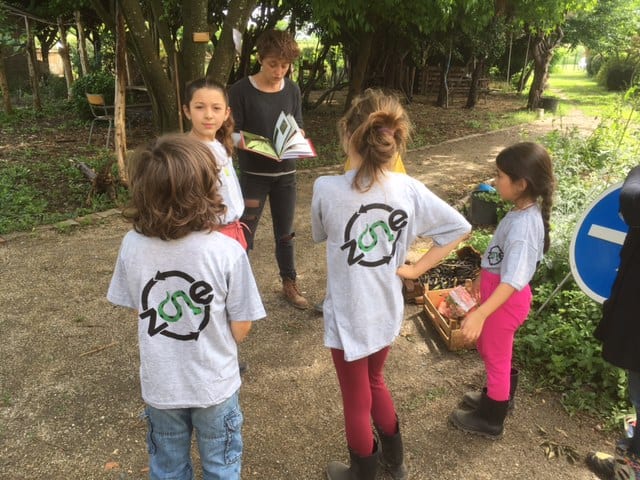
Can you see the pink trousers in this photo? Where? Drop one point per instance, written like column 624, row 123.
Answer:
column 495, row 343
column 364, row 397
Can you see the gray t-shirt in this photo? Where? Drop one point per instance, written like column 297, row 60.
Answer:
column 368, row 235
column 186, row 292
column 516, row 247
column 230, row 186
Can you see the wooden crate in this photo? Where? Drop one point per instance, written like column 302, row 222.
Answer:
column 448, row 329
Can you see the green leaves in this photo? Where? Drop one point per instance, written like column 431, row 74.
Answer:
column 556, row 345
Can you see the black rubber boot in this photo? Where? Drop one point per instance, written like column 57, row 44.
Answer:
column 472, row 399
column 487, row 420
column 392, row 457
column 630, row 443
column 361, row 468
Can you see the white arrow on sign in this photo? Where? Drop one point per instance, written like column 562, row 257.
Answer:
column 607, row 234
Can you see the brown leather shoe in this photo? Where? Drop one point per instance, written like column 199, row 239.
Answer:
column 293, row 295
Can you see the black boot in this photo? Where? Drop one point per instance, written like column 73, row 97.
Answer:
column 361, row 468
column 472, row 399
column 630, row 443
column 487, row 420
column 392, row 458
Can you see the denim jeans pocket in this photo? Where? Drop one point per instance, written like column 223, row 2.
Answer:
column 233, row 443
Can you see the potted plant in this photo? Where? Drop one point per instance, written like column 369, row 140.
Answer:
column 549, row 104
column 486, row 207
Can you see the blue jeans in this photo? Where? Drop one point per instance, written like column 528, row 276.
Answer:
column 281, row 191
column 218, row 432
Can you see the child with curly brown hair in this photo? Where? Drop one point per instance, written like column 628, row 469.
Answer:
column 195, row 298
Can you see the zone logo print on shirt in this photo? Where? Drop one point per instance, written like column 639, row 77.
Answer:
column 368, row 246
column 194, row 295
column 495, row 255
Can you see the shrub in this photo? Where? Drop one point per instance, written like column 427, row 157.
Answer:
column 594, row 64
column 556, row 345
column 616, row 75
column 55, row 87
column 99, row 82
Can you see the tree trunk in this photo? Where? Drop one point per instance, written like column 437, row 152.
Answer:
column 34, row 74
column 443, row 92
column 161, row 91
column 82, row 45
column 359, row 68
column 524, row 65
column 225, row 54
column 46, row 36
column 244, row 65
column 316, row 69
column 96, row 41
column 44, row 53
column 119, row 113
column 472, row 98
column 195, row 20
column 64, row 56
column 141, row 32
column 542, row 52
column 4, row 85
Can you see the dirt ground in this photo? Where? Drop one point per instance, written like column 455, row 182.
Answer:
column 69, row 392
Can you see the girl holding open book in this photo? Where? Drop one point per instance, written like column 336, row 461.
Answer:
column 256, row 104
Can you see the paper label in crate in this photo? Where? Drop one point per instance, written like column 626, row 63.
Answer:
column 457, row 304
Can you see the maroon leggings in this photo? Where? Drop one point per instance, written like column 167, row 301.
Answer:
column 364, row 396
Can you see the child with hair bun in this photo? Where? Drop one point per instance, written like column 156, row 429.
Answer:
column 369, row 217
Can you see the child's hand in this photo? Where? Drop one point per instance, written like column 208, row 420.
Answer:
column 471, row 326
column 408, row 271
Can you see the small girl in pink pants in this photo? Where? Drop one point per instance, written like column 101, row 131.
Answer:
column 525, row 178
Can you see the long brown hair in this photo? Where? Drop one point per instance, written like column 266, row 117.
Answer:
column 223, row 135
column 174, row 188
column 377, row 127
column 531, row 162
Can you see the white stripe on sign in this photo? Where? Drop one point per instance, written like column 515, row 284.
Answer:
column 608, row 234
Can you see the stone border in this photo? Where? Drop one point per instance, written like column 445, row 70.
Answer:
column 65, row 225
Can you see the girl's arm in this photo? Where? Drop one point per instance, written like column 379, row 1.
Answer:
column 240, row 329
column 429, row 260
column 471, row 326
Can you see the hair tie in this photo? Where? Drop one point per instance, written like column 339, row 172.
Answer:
column 385, row 130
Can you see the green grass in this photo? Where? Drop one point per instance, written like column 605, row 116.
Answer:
column 577, row 90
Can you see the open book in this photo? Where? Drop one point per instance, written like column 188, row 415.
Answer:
column 287, row 142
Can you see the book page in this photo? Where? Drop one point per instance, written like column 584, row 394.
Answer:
column 258, row 144
column 283, row 131
column 302, row 149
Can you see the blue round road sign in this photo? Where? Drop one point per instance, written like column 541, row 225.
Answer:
column 594, row 253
